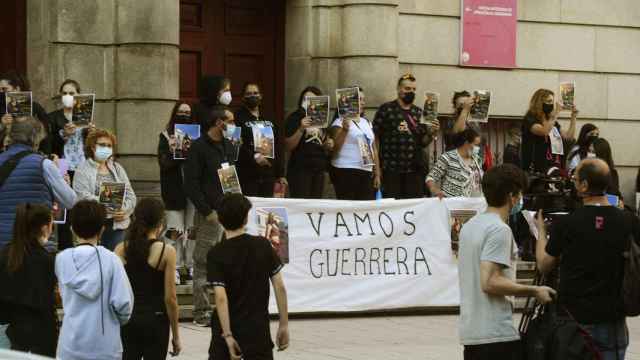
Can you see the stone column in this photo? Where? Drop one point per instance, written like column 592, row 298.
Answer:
column 124, row 51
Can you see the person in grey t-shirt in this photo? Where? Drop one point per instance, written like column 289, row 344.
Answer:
column 487, row 271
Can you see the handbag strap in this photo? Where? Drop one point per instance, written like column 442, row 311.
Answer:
column 7, row 168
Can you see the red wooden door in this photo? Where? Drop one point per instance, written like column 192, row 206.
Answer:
column 13, row 27
column 240, row 39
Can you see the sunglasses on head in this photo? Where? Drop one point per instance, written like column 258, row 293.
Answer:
column 408, row 76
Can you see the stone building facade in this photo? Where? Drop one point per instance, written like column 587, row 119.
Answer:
column 129, row 52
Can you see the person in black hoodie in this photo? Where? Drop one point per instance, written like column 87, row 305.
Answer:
column 180, row 211
column 213, row 90
column 257, row 173
column 207, row 155
column 13, row 81
column 309, row 151
column 27, row 280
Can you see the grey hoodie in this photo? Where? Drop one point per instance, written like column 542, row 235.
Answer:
column 97, row 299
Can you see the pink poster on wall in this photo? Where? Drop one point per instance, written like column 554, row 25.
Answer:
column 488, row 31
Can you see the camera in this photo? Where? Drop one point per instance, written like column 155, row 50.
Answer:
column 551, row 193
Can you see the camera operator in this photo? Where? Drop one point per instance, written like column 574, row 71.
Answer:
column 588, row 245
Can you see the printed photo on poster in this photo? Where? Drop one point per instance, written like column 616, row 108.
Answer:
column 567, row 95
column 481, row 105
column 19, row 103
column 229, row 180
column 266, row 218
column 366, row 152
column 83, row 107
column 430, row 110
column 264, row 141
column 184, row 135
column 112, row 195
column 59, row 214
column 318, row 111
column 348, row 102
column 457, row 218
column 236, row 140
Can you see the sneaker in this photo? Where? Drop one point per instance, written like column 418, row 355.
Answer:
column 178, row 282
column 204, row 321
column 188, row 276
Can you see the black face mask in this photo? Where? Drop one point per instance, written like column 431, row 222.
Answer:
column 252, row 101
column 409, row 97
column 547, row 109
column 183, row 119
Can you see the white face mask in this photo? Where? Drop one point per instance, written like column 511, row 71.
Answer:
column 591, row 155
column 476, row 150
column 67, row 101
column 225, row 98
column 228, row 132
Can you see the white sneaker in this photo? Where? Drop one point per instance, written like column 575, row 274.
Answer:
column 178, row 282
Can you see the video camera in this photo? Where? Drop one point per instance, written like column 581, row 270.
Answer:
column 551, row 192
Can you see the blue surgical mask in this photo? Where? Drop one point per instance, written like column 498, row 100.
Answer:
column 103, row 153
column 476, row 150
column 229, row 131
column 517, row 208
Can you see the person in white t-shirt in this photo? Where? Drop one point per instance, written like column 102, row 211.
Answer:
column 355, row 170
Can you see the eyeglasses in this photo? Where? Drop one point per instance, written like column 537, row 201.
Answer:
column 105, row 145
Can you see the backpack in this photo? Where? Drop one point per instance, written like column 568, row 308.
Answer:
column 631, row 279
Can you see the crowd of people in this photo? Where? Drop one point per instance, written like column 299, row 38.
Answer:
column 116, row 269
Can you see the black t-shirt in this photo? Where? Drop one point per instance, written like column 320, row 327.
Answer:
column 591, row 241
column 243, row 266
column 309, row 154
column 536, row 150
column 400, row 145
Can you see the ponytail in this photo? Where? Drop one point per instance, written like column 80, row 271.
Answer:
column 30, row 218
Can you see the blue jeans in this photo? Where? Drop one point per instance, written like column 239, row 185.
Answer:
column 605, row 336
column 111, row 238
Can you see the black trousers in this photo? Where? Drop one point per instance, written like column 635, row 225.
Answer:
column 504, row 351
column 218, row 350
column 306, row 184
column 403, row 186
column 146, row 336
column 259, row 187
column 33, row 331
column 352, row 184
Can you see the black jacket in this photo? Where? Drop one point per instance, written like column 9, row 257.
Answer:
column 57, row 121
column 248, row 169
column 171, row 178
column 201, row 181
column 27, row 300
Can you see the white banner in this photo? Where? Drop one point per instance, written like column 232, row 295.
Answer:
column 361, row 256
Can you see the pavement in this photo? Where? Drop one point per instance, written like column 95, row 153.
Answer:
column 425, row 337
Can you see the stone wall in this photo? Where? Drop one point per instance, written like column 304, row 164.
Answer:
column 334, row 43
column 125, row 51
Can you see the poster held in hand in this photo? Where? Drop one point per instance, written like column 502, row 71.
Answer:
column 184, row 135
column 266, row 218
column 567, row 95
column 430, row 111
column 264, row 141
column 481, row 105
column 457, row 218
column 318, row 111
column 229, row 179
column 112, row 195
column 348, row 100
column 19, row 103
column 236, row 140
column 59, row 214
column 83, row 107
column 366, row 152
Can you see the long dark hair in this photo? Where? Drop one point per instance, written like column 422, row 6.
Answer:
column 313, row 89
column 30, row 218
column 172, row 120
column 584, row 141
column 603, row 151
column 148, row 215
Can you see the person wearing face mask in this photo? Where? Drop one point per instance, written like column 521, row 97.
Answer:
column 401, row 140
column 180, row 211
column 207, row 155
column 543, row 140
column 98, row 168
column 28, row 176
column 213, row 90
column 308, row 150
column 257, row 173
column 14, row 81
column 602, row 150
column 150, row 265
column 27, row 279
column 458, row 172
column 487, row 271
column 586, row 246
column 584, row 146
